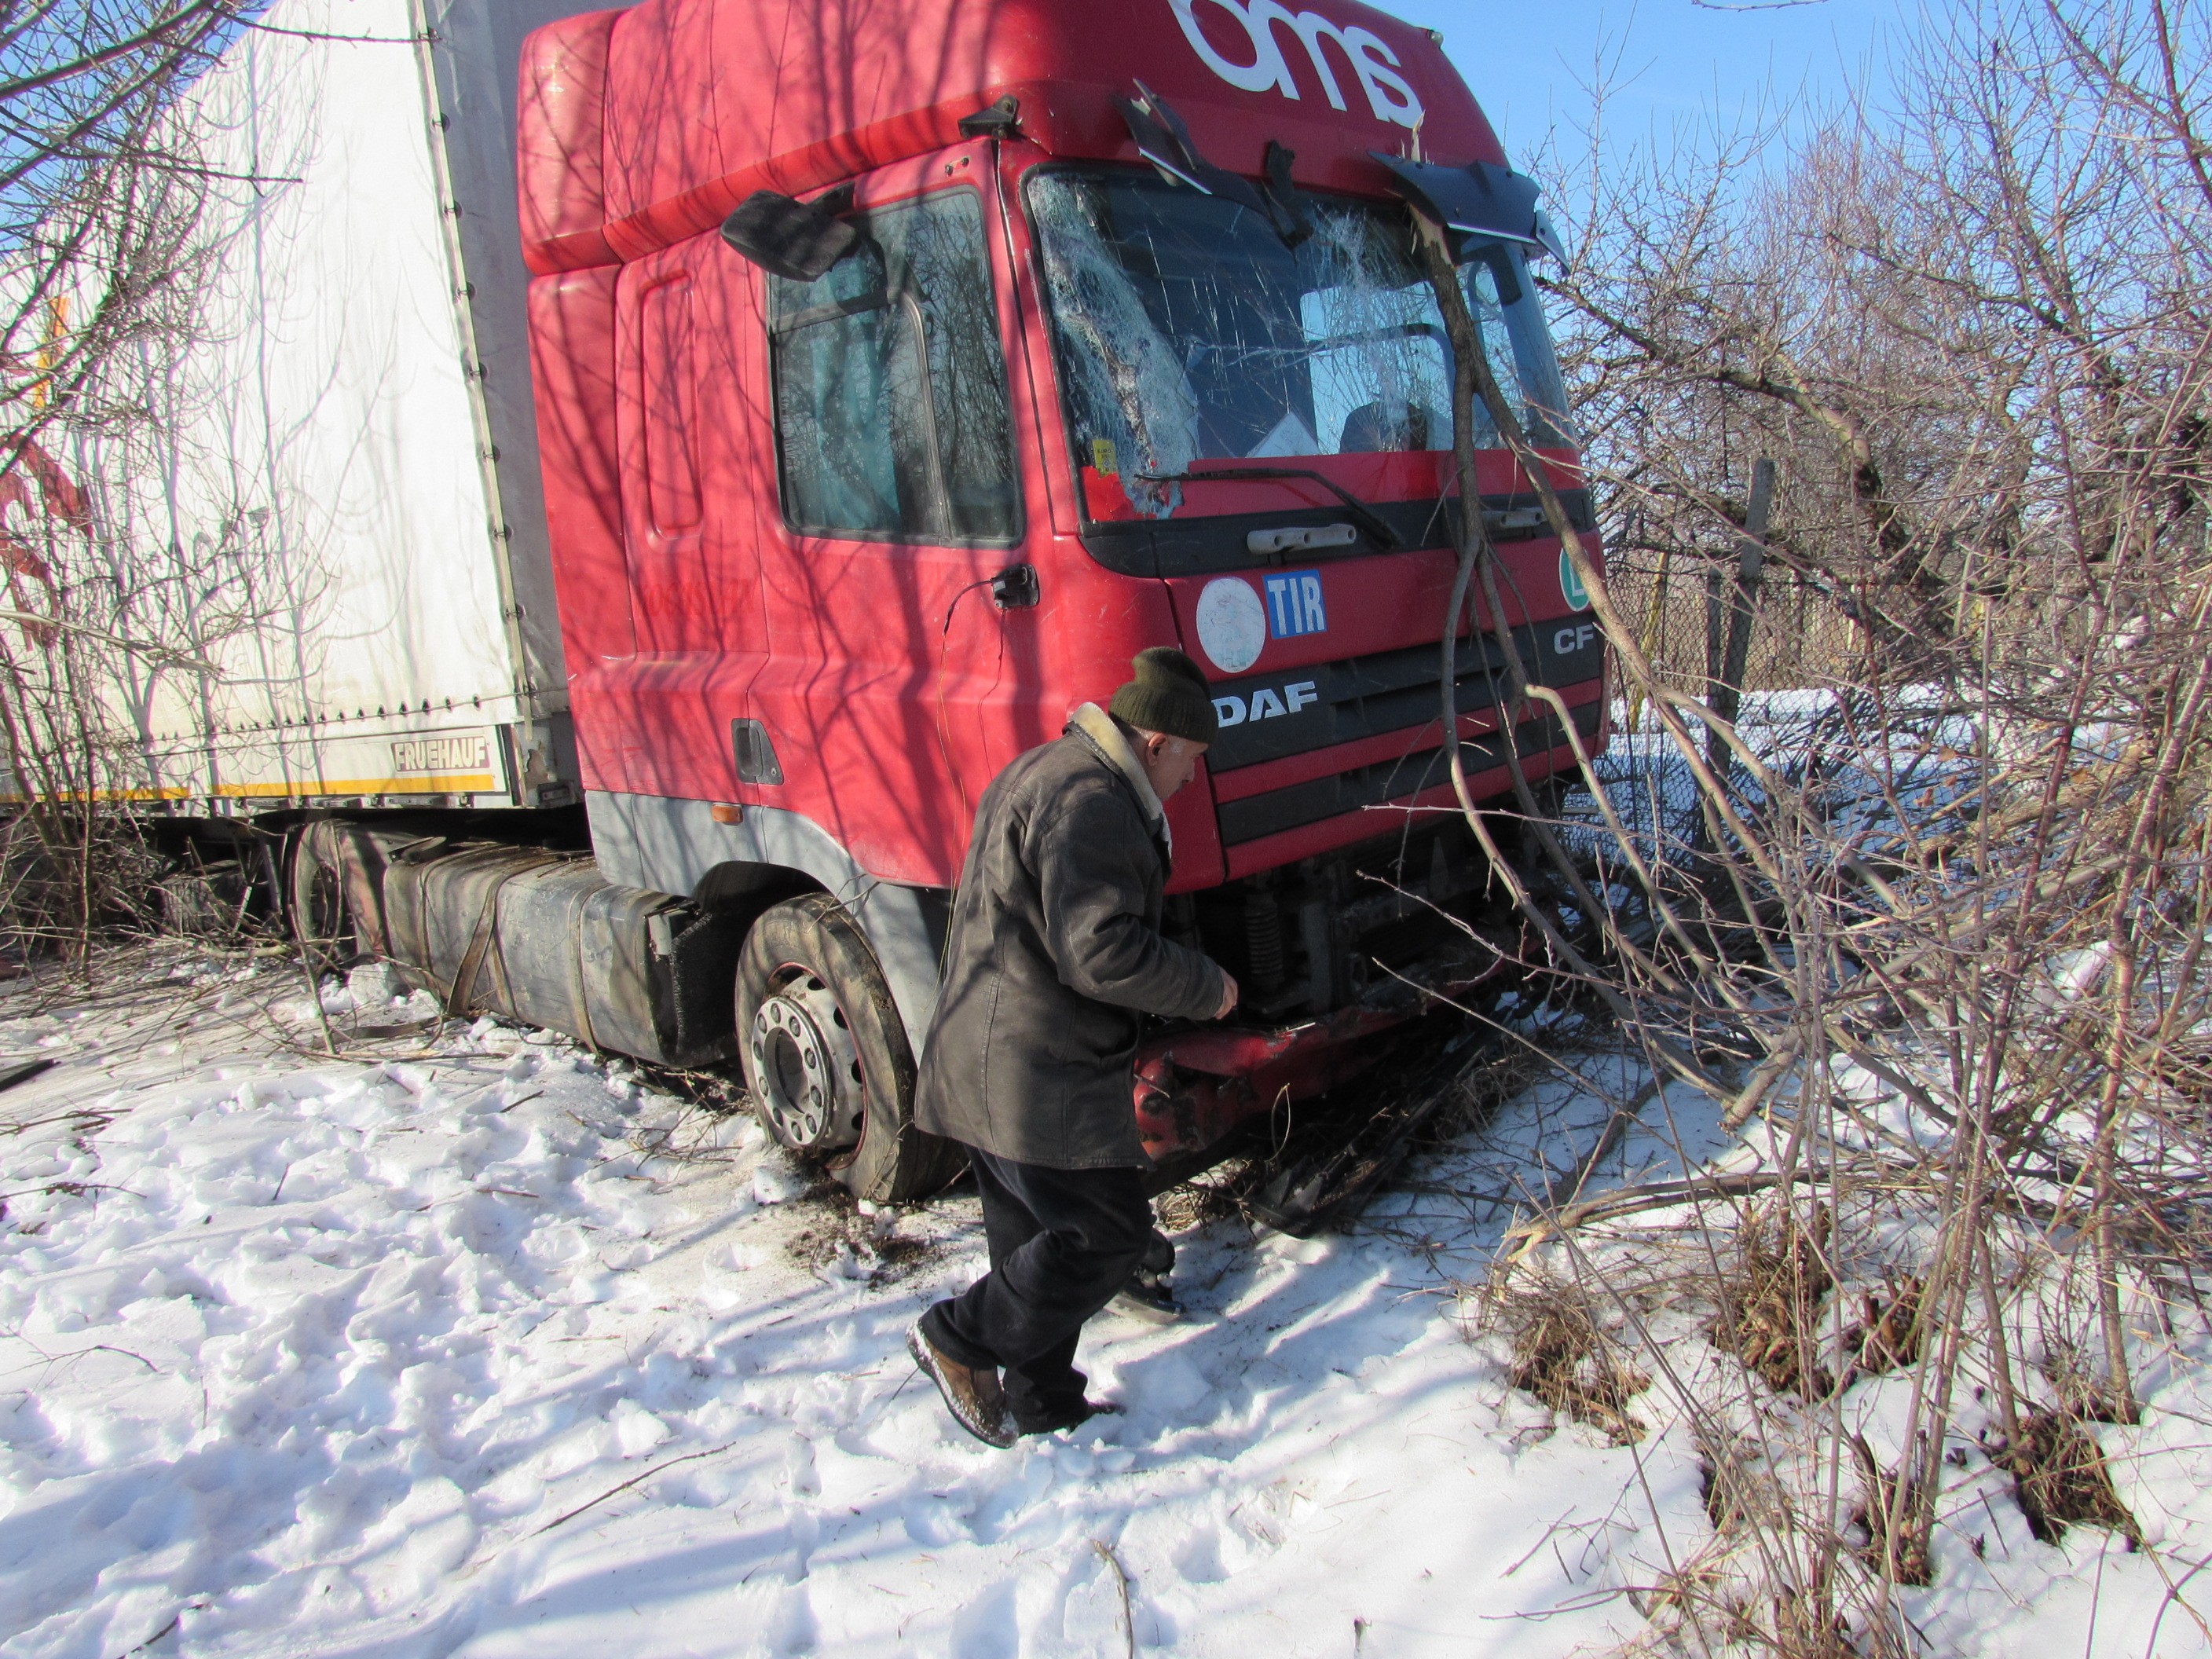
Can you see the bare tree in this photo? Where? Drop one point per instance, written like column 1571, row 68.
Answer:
column 102, row 245
column 1931, row 910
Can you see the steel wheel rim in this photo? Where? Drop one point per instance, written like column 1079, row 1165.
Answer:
column 806, row 1068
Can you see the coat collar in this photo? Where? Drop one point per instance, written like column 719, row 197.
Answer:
column 1106, row 737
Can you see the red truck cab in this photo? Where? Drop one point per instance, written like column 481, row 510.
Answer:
column 1130, row 348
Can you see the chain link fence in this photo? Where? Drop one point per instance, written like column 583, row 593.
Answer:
column 1800, row 638
column 1767, row 648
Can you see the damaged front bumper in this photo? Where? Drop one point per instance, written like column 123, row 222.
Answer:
column 1195, row 1087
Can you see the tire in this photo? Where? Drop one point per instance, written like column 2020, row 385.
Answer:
column 830, row 1071
column 315, row 901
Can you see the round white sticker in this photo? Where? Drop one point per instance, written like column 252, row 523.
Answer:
column 1232, row 624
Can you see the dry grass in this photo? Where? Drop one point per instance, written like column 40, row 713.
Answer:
column 1769, row 1303
column 1564, row 1355
column 1889, row 1516
column 1216, row 1195
column 839, row 1236
column 2060, row 1478
column 1892, row 1329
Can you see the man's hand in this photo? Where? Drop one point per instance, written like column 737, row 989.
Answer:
column 1228, row 995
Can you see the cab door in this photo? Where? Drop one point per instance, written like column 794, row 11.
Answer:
column 894, row 676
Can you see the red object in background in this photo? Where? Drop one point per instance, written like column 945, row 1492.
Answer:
column 60, row 502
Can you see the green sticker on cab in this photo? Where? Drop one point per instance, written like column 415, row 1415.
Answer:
column 1570, row 583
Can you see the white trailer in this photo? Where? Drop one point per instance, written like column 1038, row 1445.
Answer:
column 347, row 447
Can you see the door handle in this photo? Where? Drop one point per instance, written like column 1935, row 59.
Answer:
column 1015, row 588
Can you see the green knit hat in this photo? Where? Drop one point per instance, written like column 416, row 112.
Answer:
column 1169, row 695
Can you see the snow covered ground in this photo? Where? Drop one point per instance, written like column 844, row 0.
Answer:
column 473, row 1345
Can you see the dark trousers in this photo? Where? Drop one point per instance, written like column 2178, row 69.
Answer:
column 1062, row 1242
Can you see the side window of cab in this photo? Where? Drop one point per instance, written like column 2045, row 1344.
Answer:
column 890, row 384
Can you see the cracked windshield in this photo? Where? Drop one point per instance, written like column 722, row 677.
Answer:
column 1188, row 333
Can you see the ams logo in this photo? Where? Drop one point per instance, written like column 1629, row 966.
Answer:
column 1388, row 96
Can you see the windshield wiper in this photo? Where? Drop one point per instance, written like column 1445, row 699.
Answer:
column 1370, row 520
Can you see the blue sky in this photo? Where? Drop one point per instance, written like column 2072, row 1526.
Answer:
column 1674, row 64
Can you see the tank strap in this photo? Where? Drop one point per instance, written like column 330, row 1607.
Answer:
column 461, row 994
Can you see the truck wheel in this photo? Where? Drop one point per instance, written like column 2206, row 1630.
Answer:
column 320, row 916
column 827, row 1059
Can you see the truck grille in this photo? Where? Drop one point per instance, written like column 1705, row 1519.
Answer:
column 1266, row 717
column 1337, row 793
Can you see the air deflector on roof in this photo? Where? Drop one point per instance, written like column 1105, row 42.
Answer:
column 1479, row 201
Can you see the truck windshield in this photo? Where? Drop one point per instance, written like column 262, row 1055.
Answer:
column 1186, row 332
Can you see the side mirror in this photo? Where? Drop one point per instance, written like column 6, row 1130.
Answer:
column 1478, row 201
column 794, row 240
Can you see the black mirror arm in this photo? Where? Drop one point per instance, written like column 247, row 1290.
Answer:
column 1002, row 119
column 1164, row 140
column 1285, row 206
column 1482, row 200
column 1015, row 588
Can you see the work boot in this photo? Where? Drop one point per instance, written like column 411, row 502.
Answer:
column 1147, row 1294
column 1148, row 1297
column 971, row 1392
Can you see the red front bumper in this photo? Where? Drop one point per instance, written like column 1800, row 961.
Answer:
column 1196, row 1086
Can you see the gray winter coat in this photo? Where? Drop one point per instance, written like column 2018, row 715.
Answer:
column 1054, row 953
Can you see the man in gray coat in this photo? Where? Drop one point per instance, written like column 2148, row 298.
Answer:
column 1054, row 957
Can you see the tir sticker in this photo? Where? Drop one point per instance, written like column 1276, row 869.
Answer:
column 1294, row 605
column 1570, row 583
column 1374, row 63
column 1232, row 624
column 1268, row 703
